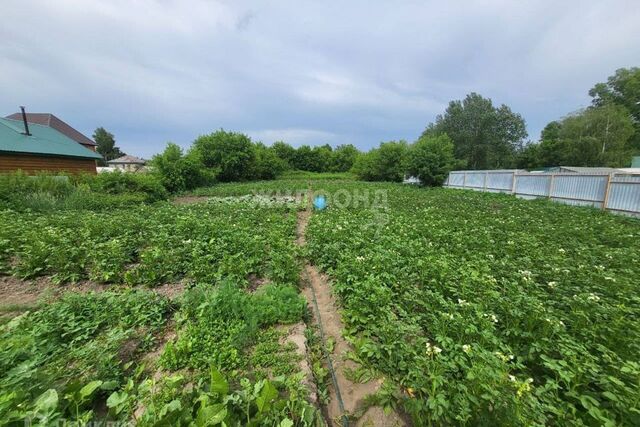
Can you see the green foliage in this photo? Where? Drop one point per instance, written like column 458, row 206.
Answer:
column 220, row 323
column 48, row 193
column 431, row 159
column 385, row 163
column 285, row 152
column 211, row 402
column 596, row 136
column 230, row 154
column 178, row 172
column 482, row 309
column 343, row 158
column 128, row 183
column 57, row 361
column 106, row 145
column 484, row 136
column 151, row 245
column 267, row 163
column 622, row 89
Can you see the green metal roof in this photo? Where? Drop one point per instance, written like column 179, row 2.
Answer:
column 43, row 140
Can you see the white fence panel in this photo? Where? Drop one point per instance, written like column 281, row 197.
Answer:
column 618, row 193
column 533, row 185
column 456, row 179
column 500, row 182
column 475, row 180
column 624, row 194
column 581, row 190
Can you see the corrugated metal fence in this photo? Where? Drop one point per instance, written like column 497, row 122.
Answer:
column 619, row 193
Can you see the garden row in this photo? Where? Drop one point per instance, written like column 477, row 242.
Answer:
column 482, row 309
column 217, row 353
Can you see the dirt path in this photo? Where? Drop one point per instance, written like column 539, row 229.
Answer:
column 351, row 394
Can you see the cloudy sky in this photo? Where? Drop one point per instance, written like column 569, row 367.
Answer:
column 307, row 72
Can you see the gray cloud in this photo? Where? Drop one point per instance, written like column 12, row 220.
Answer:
column 304, row 71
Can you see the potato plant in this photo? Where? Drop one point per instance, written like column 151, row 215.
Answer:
column 152, row 245
column 487, row 310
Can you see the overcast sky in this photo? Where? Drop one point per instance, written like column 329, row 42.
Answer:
column 307, row 72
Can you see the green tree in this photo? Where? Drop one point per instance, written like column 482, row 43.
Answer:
column 430, row 159
column 286, row 152
column 597, row 136
column 385, row 163
column 529, row 156
column 623, row 89
column 484, row 136
column 178, row 172
column 267, row 164
column 231, row 155
column 106, row 145
column 343, row 158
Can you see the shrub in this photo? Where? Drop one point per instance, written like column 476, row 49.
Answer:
column 231, row 154
column 178, row 172
column 18, row 184
column 267, row 164
column 431, row 159
column 385, row 163
column 129, row 183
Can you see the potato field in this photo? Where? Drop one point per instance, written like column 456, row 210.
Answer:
column 461, row 308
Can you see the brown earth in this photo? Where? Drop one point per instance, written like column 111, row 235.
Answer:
column 352, row 394
column 187, row 200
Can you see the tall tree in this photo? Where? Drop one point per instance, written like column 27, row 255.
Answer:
column 106, row 145
column 484, row 136
column 343, row 158
column 286, row 152
column 622, row 88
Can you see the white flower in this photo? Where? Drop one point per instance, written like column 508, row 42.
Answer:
column 433, row 349
column 466, row 348
column 609, row 278
column 360, row 258
column 512, row 378
column 593, row 297
column 552, row 284
column 561, row 250
column 462, row 302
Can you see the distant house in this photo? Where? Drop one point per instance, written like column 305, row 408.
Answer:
column 127, row 163
column 36, row 147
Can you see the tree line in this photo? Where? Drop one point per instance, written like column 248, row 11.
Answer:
column 472, row 133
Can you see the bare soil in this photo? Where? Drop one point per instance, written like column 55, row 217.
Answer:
column 187, row 200
column 352, row 394
column 14, row 291
column 296, row 336
column 256, row 282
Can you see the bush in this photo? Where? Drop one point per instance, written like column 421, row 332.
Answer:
column 267, row 164
column 385, row 163
column 19, row 184
column 431, row 159
column 129, row 183
column 231, row 154
column 178, row 172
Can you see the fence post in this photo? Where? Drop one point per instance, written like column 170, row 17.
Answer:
column 486, row 176
column 513, row 183
column 605, row 201
column 551, row 182
column 464, row 181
